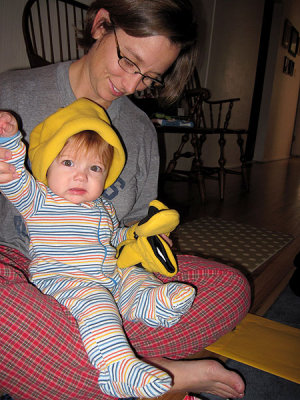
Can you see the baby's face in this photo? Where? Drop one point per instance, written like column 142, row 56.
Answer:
column 77, row 177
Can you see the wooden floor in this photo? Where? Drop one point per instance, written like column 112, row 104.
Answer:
column 273, row 202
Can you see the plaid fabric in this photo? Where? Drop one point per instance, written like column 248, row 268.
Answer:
column 222, row 301
column 42, row 356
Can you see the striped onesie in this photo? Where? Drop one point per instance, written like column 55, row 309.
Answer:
column 73, row 259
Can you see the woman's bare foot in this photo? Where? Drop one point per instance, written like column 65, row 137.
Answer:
column 202, row 376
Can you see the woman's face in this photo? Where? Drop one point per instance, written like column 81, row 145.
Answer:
column 107, row 80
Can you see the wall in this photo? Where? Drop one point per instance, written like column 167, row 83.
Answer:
column 229, row 43
column 12, row 47
column 228, row 68
column 232, row 65
column 280, row 94
column 205, row 14
column 296, row 145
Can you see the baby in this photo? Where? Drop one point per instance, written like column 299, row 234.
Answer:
column 75, row 154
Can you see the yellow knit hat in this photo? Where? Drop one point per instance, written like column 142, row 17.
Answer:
column 49, row 137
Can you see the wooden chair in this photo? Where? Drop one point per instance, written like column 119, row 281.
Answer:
column 50, row 30
column 210, row 118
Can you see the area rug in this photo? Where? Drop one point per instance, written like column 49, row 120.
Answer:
column 235, row 244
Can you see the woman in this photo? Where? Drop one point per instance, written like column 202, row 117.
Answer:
column 131, row 44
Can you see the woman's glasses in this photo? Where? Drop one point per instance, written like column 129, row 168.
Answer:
column 130, row 67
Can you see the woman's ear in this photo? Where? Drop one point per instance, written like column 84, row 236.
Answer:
column 98, row 29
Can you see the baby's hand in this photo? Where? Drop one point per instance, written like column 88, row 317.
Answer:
column 8, row 124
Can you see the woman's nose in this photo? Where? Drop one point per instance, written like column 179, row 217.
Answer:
column 131, row 82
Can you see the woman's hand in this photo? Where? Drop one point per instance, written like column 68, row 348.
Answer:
column 7, row 171
column 167, row 239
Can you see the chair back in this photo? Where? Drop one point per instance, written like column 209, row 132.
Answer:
column 204, row 112
column 213, row 115
column 188, row 98
column 50, row 30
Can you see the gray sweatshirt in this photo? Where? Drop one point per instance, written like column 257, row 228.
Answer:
column 34, row 94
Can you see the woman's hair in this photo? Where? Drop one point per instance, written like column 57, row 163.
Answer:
column 90, row 141
column 173, row 19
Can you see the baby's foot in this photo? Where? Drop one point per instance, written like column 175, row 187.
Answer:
column 133, row 378
column 164, row 305
column 8, row 124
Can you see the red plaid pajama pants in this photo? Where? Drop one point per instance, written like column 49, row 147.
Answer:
column 41, row 353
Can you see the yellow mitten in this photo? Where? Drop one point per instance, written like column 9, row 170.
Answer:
column 152, row 252
column 160, row 219
column 144, row 245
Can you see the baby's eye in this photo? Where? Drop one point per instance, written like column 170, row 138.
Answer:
column 68, row 163
column 96, row 168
